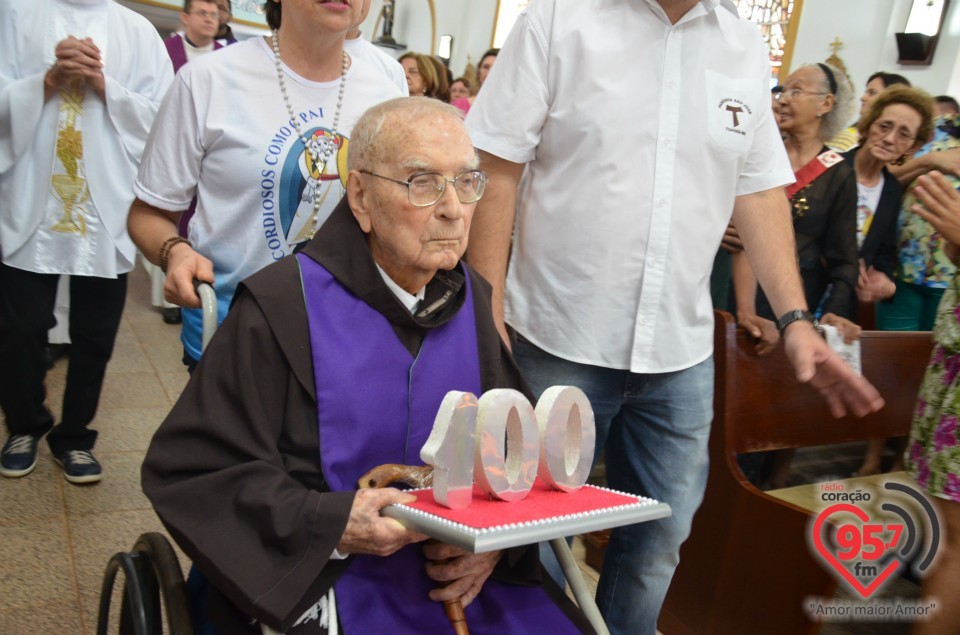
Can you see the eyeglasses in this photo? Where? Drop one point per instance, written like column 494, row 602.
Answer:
column 206, row 14
column 793, row 93
column 426, row 188
column 903, row 135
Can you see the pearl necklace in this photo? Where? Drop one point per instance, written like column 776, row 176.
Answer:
column 320, row 149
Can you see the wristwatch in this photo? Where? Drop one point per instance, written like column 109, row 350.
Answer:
column 796, row 315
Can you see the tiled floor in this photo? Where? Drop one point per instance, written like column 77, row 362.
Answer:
column 56, row 538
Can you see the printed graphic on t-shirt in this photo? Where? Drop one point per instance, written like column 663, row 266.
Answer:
column 297, row 193
column 864, row 218
column 867, row 200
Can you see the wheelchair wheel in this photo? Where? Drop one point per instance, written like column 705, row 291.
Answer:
column 153, row 583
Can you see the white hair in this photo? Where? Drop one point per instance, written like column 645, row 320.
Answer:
column 845, row 104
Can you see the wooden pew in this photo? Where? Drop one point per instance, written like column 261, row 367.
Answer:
column 747, row 567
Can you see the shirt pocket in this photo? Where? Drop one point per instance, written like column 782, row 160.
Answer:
column 734, row 108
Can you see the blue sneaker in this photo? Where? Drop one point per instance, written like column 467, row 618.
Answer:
column 19, row 455
column 79, row 466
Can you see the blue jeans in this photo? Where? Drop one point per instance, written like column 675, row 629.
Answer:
column 654, row 429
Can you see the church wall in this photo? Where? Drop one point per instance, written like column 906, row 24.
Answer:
column 470, row 22
column 867, row 30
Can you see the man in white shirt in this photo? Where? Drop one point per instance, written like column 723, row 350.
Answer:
column 617, row 223
column 80, row 84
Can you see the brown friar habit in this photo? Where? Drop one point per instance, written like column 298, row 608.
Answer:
column 234, row 470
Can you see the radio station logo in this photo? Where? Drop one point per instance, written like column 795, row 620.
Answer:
column 867, row 540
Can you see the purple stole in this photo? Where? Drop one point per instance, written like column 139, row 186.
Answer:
column 376, row 404
column 177, row 51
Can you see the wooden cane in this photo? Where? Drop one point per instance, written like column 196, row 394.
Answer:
column 414, row 476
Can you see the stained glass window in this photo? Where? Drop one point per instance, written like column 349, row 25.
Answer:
column 773, row 18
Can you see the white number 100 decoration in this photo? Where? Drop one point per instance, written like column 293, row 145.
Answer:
column 503, row 444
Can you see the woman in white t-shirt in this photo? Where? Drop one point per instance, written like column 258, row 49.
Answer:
column 259, row 134
column 895, row 125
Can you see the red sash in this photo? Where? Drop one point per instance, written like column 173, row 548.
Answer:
column 813, row 170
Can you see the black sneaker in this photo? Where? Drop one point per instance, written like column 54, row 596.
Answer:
column 79, row 466
column 19, row 455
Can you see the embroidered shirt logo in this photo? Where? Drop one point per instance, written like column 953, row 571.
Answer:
column 734, row 110
column 739, row 113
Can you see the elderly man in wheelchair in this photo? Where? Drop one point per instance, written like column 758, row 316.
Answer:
column 329, row 363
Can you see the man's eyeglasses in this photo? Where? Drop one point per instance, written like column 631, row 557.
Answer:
column 886, row 127
column 426, row 188
column 206, row 14
column 793, row 93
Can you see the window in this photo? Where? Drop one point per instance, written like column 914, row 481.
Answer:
column 773, row 18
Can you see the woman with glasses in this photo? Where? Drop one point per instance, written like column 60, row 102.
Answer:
column 850, row 137
column 461, row 94
column 425, row 76
column 894, row 126
column 923, row 269
column 816, row 102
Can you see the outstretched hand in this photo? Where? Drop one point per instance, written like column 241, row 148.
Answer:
column 816, row 364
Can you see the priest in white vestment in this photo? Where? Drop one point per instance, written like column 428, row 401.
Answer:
column 80, row 84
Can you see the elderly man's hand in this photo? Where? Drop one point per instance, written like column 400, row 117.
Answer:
column 183, row 266
column 369, row 532
column 463, row 572
column 815, row 363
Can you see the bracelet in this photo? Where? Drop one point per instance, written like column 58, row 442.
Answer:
column 167, row 246
column 796, row 315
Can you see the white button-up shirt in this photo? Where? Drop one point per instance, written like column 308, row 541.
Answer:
column 638, row 136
